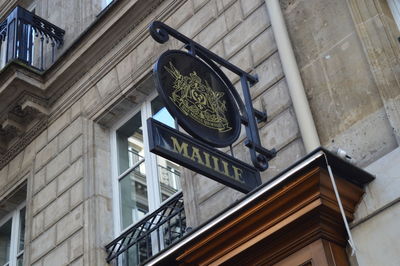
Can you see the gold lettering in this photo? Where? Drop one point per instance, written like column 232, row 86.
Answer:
column 207, row 159
column 180, row 148
column 226, row 171
column 216, row 164
column 238, row 174
column 196, row 154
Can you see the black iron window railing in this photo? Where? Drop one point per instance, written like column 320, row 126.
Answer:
column 28, row 38
column 149, row 236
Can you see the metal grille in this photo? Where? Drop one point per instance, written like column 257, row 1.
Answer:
column 153, row 233
column 29, row 38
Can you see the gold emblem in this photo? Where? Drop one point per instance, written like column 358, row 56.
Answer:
column 198, row 100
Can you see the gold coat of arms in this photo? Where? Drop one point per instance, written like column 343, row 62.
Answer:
column 197, row 100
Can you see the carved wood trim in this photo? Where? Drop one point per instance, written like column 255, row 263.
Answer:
column 293, row 215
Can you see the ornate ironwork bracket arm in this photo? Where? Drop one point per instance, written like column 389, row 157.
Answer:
column 250, row 117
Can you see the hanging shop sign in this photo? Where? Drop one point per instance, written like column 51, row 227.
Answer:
column 193, row 154
column 206, row 105
column 198, row 98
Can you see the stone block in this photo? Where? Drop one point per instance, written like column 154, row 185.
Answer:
column 15, row 165
column 103, row 173
column 286, row 156
column 124, row 69
column 44, row 197
column 39, row 180
column 197, row 4
column 3, row 176
column 57, row 165
column 76, row 194
column 70, row 176
column 218, row 202
column 76, row 149
column 29, row 155
column 145, row 51
column 205, row 187
column 377, row 238
column 181, row 15
column 213, row 32
column 58, row 125
column 263, row 46
column 269, row 73
column 76, row 245
column 43, row 156
column 108, row 84
column 242, row 59
column 199, row 21
column 249, row 6
column 90, row 99
column 43, row 244
column 78, row 262
column 280, row 131
column 70, row 224
column 56, row 210
column 70, row 133
column 76, row 110
column 58, row 256
column 223, row 4
column 37, row 225
column 41, row 141
column 274, row 100
column 246, row 31
column 233, row 16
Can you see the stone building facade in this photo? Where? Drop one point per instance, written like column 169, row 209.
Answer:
column 60, row 167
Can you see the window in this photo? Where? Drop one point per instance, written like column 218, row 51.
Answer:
column 12, row 232
column 395, row 7
column 105, row 3
column 142, row 180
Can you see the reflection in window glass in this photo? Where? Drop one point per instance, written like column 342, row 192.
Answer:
column 168, row 172
column 133, row 193
column 133, row 184
column 21, row 230
column 5, row 242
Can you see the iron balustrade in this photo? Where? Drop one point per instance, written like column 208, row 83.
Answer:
column 153, row 233
column 29, row 38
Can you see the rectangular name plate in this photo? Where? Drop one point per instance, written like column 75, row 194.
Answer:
column 190, row 153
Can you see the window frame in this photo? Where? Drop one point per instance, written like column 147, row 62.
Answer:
column 394, row 6
column 150, row 160
column 15, row 217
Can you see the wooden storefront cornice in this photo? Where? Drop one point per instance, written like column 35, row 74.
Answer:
column 292, row 211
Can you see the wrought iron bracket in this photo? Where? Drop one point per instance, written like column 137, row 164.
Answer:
column 249, row 116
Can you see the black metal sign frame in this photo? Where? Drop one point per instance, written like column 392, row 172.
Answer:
column 203, row 159
column 249, row 116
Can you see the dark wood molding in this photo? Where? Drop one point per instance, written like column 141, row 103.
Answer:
column 300, row 214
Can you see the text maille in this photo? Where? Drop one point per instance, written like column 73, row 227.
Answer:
column 175, row 146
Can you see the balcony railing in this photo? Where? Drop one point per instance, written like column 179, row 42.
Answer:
column 149, row 236
column 28, row 38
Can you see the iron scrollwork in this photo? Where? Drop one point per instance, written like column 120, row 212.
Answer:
column 249, row 116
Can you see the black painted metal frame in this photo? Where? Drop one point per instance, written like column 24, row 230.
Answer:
column 18, row 31
column 249, row 116
column 158, row 222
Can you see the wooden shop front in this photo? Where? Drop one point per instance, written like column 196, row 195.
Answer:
column 294, row 219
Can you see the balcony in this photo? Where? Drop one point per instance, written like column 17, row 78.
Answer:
column 28, row 46
column 29, row 39
column 153, row 233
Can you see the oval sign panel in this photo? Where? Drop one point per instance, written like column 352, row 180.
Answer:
column 198, row 98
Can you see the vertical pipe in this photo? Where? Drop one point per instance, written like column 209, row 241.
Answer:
column 296, row 89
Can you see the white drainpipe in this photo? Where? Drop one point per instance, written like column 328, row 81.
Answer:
column 292, row 74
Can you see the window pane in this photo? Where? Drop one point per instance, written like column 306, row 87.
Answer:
column 133, row 191
column 21, row 230
column 5, row 241
column 168, row 172
column 130, row 143
column 20, row 260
